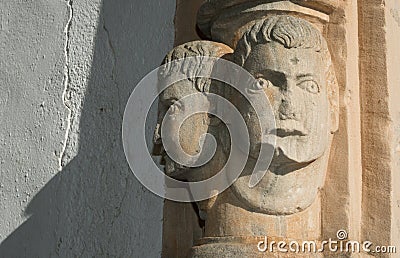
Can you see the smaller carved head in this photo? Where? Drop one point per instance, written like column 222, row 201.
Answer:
column 197, row 124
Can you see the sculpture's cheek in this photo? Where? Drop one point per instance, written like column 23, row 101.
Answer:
column 190, row 132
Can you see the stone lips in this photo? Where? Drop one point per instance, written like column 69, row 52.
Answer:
column 212, row 10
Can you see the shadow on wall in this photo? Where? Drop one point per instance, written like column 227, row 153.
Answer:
column 95, row 206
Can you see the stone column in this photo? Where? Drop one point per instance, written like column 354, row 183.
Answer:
column 380, row 106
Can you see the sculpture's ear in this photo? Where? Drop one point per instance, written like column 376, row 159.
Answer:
column 333, row 97
column 157, row 143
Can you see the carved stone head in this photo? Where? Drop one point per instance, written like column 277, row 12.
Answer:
column 291, row 62
column 191, row 130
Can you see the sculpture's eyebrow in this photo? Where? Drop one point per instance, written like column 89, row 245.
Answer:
column 301, row 76
column 270, row 72
column 276, row 77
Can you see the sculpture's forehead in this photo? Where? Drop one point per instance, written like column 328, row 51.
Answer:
column 178, row 90
column 291, row 62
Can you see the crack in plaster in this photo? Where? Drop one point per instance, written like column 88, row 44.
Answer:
column 67, row 80
column 114, row 57
column 119, row 207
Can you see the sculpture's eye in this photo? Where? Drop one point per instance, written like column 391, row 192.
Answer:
column 310, row 86
column 262, row 83
column 175, row 108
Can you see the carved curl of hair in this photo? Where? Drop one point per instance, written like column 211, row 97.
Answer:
column 289, row 31
column 199, row 50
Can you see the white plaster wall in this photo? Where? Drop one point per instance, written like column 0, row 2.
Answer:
column 66, row 71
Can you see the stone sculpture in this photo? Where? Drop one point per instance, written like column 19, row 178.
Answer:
column 197, row 125
column 289, row 58
column 291, row 62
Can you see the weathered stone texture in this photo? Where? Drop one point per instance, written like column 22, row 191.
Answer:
column 379, row 82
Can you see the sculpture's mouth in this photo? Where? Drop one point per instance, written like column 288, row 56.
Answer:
column 287, row 128
column 285, row 132
column 280, row 132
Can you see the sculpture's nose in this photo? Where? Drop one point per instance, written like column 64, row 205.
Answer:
column 286, row 110
column 287, row 107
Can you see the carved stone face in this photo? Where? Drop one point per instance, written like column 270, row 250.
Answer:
column 191, row 129
column 188, row 135
column 295, row 82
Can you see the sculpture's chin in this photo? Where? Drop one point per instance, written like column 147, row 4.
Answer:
column 289, row 186
column 173, row 169
column 276, row 195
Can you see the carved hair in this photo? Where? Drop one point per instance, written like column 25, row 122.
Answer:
column 201, row 50
column 291, row 32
